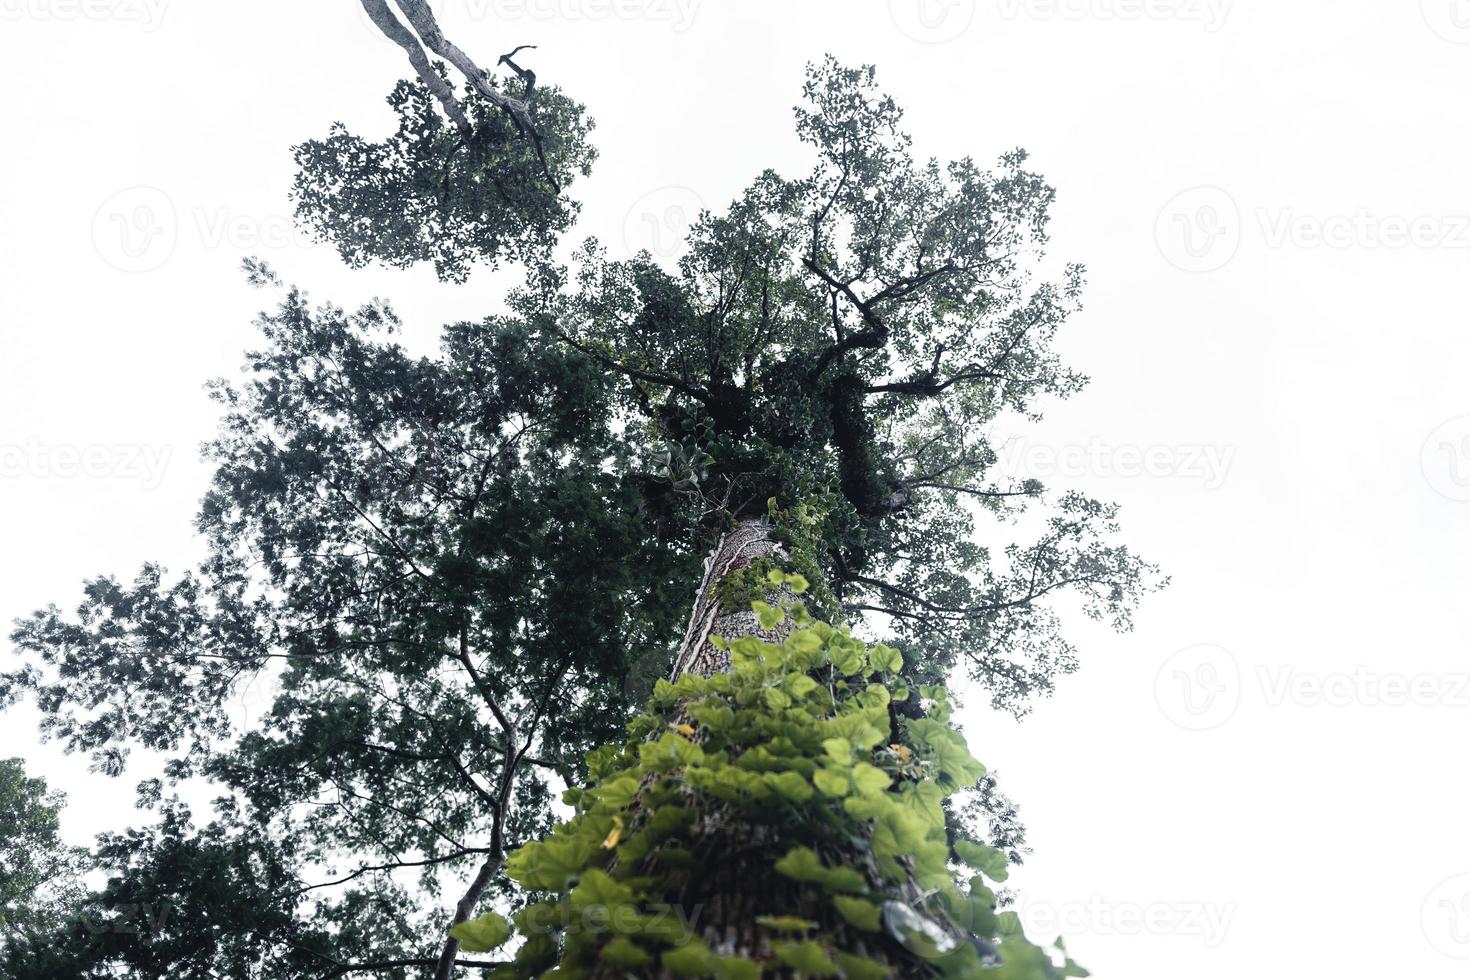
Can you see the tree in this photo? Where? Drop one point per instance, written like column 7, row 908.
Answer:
column 40, row 876
column 462, row 569
column 36, row 868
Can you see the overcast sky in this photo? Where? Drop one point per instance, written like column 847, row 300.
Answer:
column 1265, row 779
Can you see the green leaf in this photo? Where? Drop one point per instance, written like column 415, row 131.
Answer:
column 789, row 786
column 840, row 749
column 597, row 889
column 806, row 957
column 805, row 642
column 884, row 659
column 831, row 782
column 860, row 968
column 736, row 968
column 844, row 879
column 800, row 685
column 801, row 864
column 480, row 935
column 860, row 912
column 786, row 923
column 984, row 858
column 869, row 779
column 622, row 952
column 693, row 959
column 671, row 751
column 769, row 616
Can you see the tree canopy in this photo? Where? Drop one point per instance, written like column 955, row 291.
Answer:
column 461, row 572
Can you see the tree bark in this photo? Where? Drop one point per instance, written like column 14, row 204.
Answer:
column 748, row 541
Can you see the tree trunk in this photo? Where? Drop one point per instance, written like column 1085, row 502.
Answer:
column 732, row 882
column 748, row 541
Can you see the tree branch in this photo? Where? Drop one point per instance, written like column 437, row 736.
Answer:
column 519, row 110
column 401, row 36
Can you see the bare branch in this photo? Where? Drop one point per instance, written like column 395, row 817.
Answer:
column 401, row 36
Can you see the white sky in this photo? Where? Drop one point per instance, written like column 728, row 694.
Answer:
column 1236, row 789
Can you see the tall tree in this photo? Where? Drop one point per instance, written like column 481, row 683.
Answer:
column 460, row 571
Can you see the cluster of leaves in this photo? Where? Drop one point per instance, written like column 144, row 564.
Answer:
column 796, row 744
column 38, row 873
column 854, row 337
column 432, row 193
column 403, row 551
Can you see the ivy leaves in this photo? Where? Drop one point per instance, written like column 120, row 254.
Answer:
column 480, row 935
column 789, row 745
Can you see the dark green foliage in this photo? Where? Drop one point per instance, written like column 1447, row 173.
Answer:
column 431, row 194
column 38, row 873
column 396, row 543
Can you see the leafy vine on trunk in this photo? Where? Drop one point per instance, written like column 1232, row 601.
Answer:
column 769, row 815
